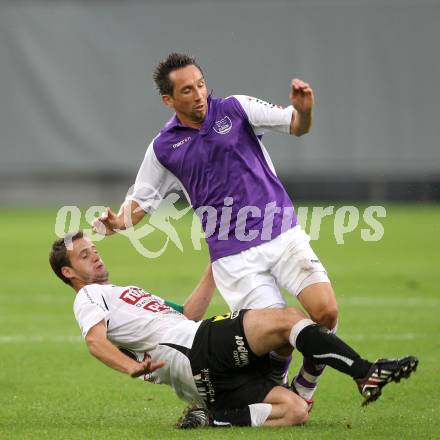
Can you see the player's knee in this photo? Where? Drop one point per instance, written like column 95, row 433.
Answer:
column 297, row 413
column 327, row 316
column 290, row 316
column 299, row 417
column 295, row 410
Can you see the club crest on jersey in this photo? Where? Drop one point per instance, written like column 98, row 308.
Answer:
column 223, row 125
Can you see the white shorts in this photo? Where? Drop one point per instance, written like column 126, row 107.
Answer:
column 253, row 278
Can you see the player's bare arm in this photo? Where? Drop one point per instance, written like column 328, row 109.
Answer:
column 130, row 214
column 100, row 347
column 301, row 97
column 197, row 303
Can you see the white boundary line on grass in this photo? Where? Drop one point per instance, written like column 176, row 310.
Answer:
column 349, row 301
column 21, row 339
column 386, row 300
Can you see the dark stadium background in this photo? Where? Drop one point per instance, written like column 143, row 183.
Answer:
column 78, row 105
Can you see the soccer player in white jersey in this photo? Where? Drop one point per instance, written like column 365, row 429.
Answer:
column 212, row 150
column 220, row 364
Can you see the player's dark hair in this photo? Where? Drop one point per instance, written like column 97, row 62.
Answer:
column 58, row 256
column 173, row 61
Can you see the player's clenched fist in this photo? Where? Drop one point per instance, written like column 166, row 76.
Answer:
column 301, row 96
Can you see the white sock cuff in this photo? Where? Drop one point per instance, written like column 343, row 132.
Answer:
column 297, row 328
column 259, row 413
column 335, row 328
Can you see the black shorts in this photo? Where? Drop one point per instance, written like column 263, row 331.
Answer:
column 226, row 372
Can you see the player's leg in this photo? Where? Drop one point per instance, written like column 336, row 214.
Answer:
column 281, row 407
column 269, row 297
column 235, row 383
column 269, row 329
column 287, row 408
column 266, row 330
column 245, row 282
column 299, row 271
column 319, row 301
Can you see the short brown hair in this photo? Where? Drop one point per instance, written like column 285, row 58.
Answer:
column 172, row 62
column 58, row 256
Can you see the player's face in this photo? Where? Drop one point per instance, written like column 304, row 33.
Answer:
column 190, row 96
column 86, row 264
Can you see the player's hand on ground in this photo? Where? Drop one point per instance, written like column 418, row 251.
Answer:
column 145, row 367
column 106, row 223
column 301, row 96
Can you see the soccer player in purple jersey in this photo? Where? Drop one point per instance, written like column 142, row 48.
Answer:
column 212, row 150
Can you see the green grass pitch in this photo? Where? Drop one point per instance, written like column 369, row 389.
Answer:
column 51, row 388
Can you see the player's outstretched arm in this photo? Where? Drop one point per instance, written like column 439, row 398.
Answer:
column 301, row 97
column 108, row 222
column 197, row 303
column 100, row 347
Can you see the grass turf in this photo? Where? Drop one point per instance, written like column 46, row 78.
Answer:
column 51, row 388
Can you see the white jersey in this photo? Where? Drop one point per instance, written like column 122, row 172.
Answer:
column 144, row 324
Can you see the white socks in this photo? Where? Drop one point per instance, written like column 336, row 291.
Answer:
column 297, row 328
column 259, row 413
